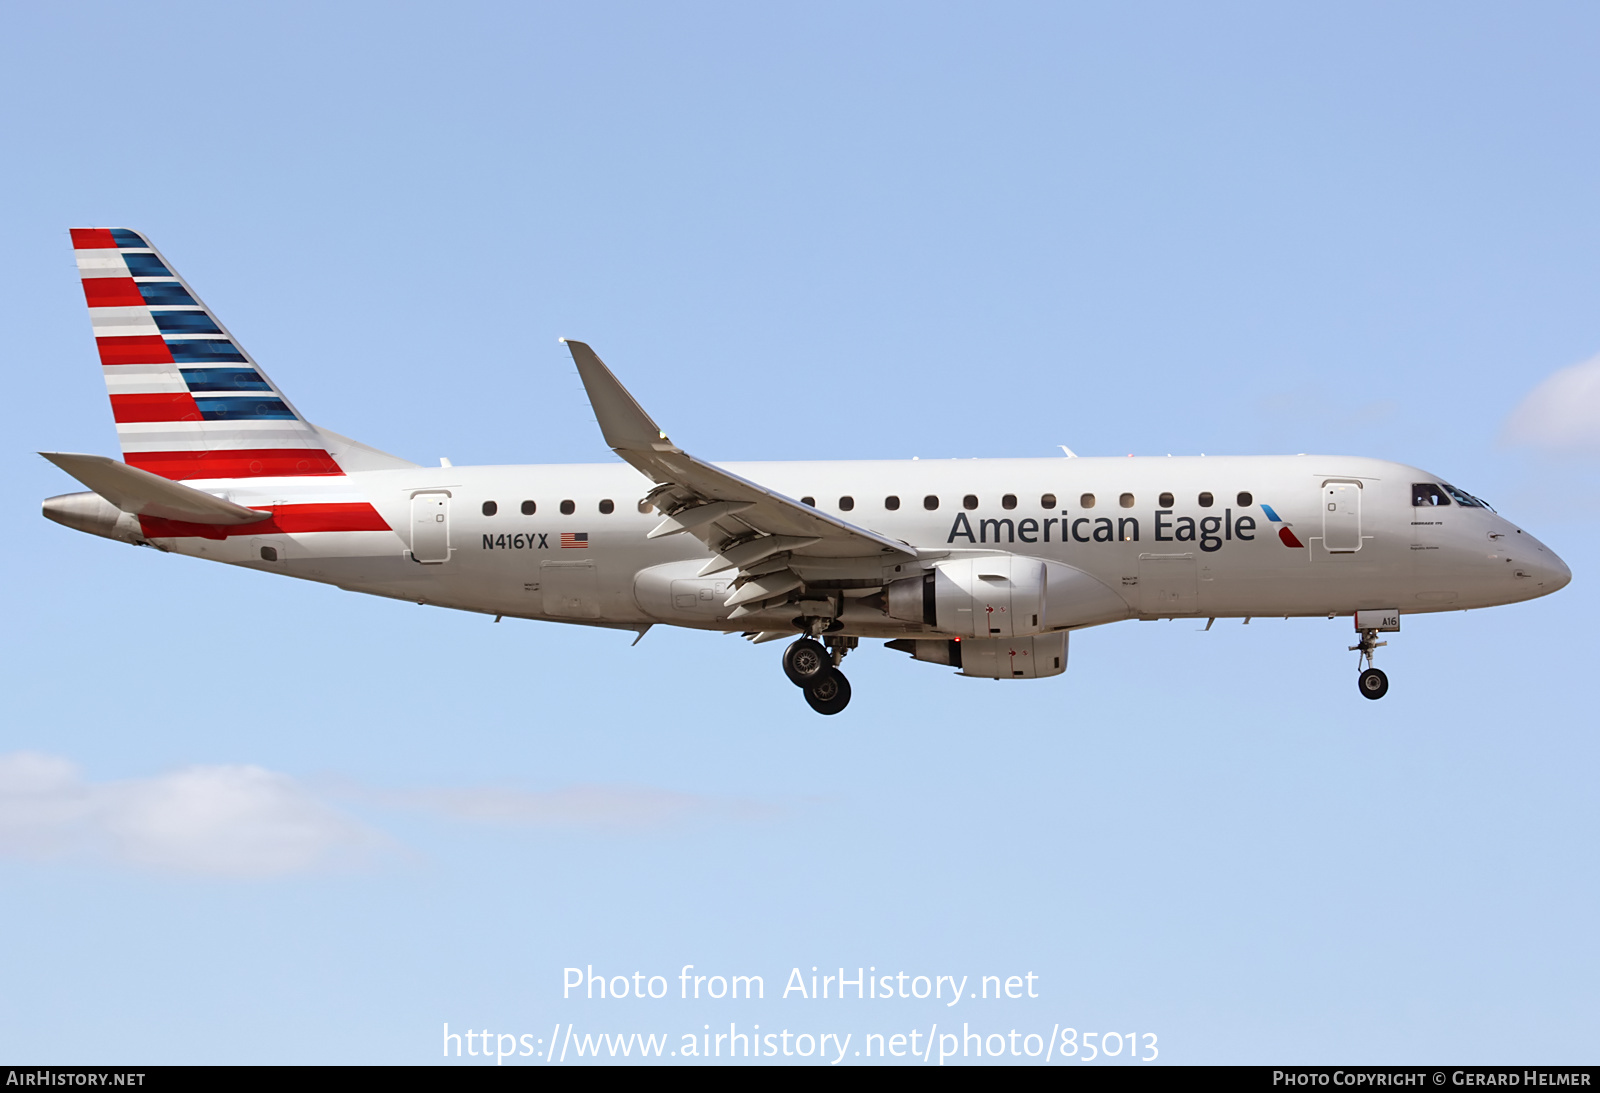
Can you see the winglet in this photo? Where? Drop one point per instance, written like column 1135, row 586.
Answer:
column 623, row 421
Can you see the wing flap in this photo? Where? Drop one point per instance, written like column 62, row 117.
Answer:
column 751, row 551
column 691, row 518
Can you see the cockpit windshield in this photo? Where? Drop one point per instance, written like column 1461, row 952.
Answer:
column 1465, row 499
column 1429, row 494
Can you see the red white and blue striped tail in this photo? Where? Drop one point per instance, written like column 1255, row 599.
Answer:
column 189, row 402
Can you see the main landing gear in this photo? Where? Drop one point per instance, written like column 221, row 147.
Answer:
column 1372, row 682
column 815, row 670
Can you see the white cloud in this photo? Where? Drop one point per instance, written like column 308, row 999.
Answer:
column 240, row 821
column 45, row 809
column 245, row 821
column 1562, row 413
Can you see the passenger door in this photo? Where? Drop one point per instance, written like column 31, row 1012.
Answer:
column 1341, row 517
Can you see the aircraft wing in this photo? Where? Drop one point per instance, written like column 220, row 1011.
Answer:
column 749, row 525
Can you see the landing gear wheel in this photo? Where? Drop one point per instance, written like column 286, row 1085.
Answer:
column 1373, row 683
column 829, row 692
column 804, row 661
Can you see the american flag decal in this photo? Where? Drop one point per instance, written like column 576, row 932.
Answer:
column 574, row 540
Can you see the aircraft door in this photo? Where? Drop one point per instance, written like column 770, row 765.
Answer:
column 430, row 528
column 570, row 590
column 1167, row 585
column 1341, row 517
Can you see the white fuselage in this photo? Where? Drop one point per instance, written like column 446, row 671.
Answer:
column 1181, row 558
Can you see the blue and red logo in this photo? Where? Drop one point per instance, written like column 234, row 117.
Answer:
column 1285, row 536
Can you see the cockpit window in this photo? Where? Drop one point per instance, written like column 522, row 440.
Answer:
column 1465, row 499
column 1425, row 494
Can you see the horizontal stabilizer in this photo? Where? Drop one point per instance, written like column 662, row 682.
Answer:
column 144, row 494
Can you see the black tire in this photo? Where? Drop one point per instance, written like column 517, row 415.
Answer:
column 829, row 692
column 804, row 661
column 1373, row 683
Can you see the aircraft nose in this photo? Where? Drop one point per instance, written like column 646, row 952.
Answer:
column 1555, row 573
column 1545, row 567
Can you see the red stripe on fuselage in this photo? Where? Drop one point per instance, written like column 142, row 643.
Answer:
column 285, row 520
column 167, row 406
column 238, row 463
column 136, row 349
column 92, row 239
column 112, row 292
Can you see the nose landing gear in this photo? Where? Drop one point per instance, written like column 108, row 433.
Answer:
column 1372, row 683
column 815, row 670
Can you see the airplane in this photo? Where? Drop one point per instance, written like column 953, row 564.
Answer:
column 985, row 566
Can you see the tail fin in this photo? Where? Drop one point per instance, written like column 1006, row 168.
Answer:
column 189, row 402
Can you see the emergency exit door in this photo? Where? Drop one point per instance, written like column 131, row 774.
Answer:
column 1341, row 517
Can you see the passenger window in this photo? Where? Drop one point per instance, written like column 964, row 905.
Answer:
column 892, row 503
column 644, row 506
column 1166, row 500
column 931, row 502
column 529, row 508
column 1206, row 500
column 1126, row 500
column 846, row 504
column 812, row 501
column 1245, row 500
column 568, row 508
column 1424, row 494
column 607, row 507
column 1086, row 501
column 490, row 508
column 1009, row 501
column 1048, row 501
column 969, row 502
column 270, row 554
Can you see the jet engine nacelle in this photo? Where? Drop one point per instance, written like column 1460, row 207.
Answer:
column 993, row 658
column 1003, row 596
column 996, row 597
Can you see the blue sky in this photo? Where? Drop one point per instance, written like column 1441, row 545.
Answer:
column 248, row 820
